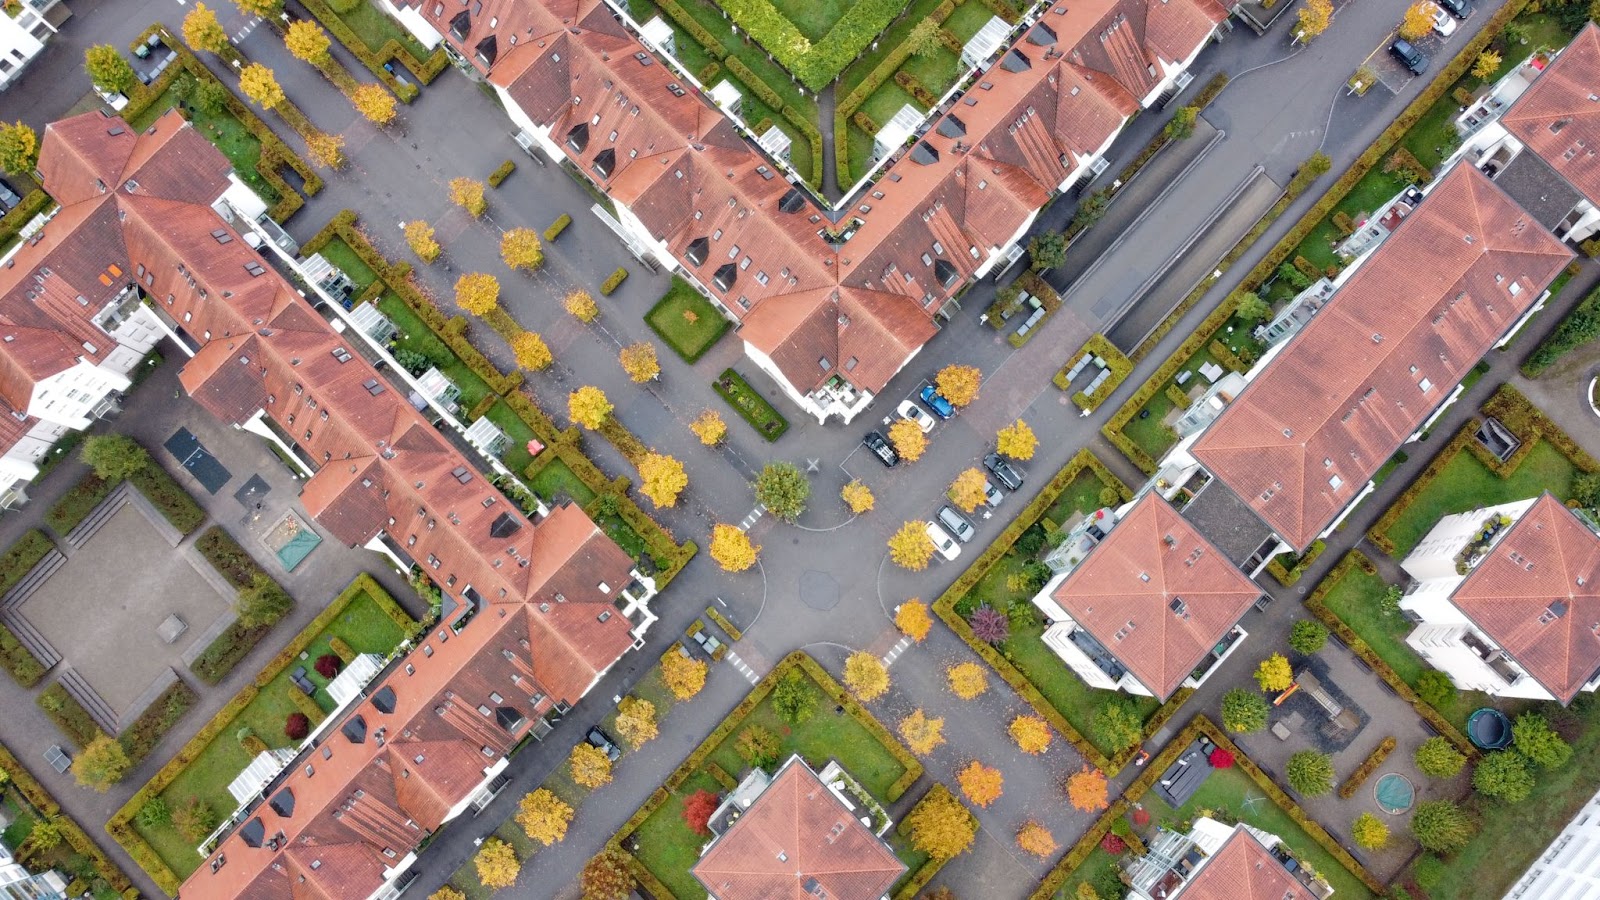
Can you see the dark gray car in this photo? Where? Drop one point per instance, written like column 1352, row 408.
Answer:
column 1413, row 59
column 1003, row 471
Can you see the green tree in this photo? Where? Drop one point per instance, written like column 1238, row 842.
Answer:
column 1436, row 689
column 1441, row 826
column 1310, row 773
column 1438, row 758
column 1504, row 775
column 208, row 96
column 1181, row 125
column 1307, row 636
column 1091, row 209
column 794, row 699
column 101, row 764
column 782, row 488
column 1586, row 487
column 1251, row 307
column 263, row 602
column 1533, row 738
column 758, row 746
column 924, row 38
column 1047, row 250
column 19, row 148
column 108, row 69
column 1117, row 723
column 1244, row 710
column 114, row 456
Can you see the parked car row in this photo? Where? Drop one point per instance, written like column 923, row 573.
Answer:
column 949, row 528
column 1444, row 12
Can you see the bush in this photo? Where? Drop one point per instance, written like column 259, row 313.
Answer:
column 1310, row 773
column 1504, row 775
column 297, row 726
column 1427, row 871
column 1367, row 767
column 613, row 281
column 1307, row 636
column 1436, row 689
column 1441, row 826
column 501, row 173
column 556, row 227
column 328, row 665
column 1438, row 758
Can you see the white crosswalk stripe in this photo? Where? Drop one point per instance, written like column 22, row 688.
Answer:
column 755, row 516
column 744, row 670
column 895, row 651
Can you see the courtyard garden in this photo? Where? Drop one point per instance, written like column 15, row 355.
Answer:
column 221, row 127
column 362, row 619
column 686, row 321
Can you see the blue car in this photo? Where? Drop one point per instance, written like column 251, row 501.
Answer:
column 940, row 406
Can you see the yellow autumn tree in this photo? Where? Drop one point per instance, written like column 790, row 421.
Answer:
column 731, row 548
column 1418, row 20
column 639, row 361
column 544, row 816
column 202, row 31
column 940, row 825
column 419, row 237
column 636, row 721
column 982, row 784
column 260, row 8
column 497, row 863
column 709, row 428
column 1086, row 789
column 261, row 86
column 910, row 547
column 1315, row 17
column 913, row 619
column 1274, row 673
column 478, row 293
column 959, row 384
column 662, row 479
column 531, row 351
column 1031, row 733
column 1369, row 831
column 589, row 407
column 590, row 765
column 858, row 497
column 468, row 194
column 967, row 490
column 582, row 306
column 1017, row 440
column 1487, row 64
column 325, row 150
column 908, row 439
column 447, row 893
column 521, row 250
column 1034, row 838
column 967, row 680
column 683, row 676
column 306, row 41
column 866, row 675
column 921, row 733
column 374, row 103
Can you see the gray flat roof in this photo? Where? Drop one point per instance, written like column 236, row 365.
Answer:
column 1227, row 521
column 1538, row 188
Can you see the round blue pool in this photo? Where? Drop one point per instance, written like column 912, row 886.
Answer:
column 1394, row 793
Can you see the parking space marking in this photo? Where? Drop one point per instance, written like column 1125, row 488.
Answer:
column 895, row 651
column 744, row 670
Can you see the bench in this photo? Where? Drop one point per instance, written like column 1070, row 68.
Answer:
column 1033, row 319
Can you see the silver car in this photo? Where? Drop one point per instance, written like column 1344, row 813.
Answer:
column 956, row 524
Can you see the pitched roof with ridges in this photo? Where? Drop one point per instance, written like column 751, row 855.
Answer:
column 1125, row 591
column 1558, row 116
column 1311, row 429
column 1243, row 869
column 1537, row 595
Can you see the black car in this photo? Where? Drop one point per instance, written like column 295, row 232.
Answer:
column 1457, row 8
column 1003, row 471
column 598, row 738
column 8, row 197
column 1409, row 56
column 880, row 448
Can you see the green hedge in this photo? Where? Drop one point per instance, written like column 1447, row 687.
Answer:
column 556, row 227
column 175, row 504
column 36, row 202
column 76, row 504
column 815, row 65
column 20, row 558
column 501, row 173
column 875, row 79
column 1116, row 361
column 613, row 281
column 159, row 717
column 723, row 623
column 1579, row 327
column 1287, row 576
column 1347, row 636
column 68, row 714
column 240, row 569
column 1369, row 765
column 18, row 660
column 41, row 800
column 767, row 421
column 425, row 70
column 799, row 120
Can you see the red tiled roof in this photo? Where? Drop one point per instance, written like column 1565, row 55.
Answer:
column 1558, row 116
column 795, row 839
column 1243, row 869
column 1157, row 594
column 1537, row 595
column 1312, row 427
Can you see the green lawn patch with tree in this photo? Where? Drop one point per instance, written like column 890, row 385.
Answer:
column 686, row 321
column 220, row 127
column 415, row 337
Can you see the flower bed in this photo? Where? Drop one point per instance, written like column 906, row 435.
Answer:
column 750, row 405
column 1117, row 363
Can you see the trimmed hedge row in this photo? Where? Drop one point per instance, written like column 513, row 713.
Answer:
column 613, row 281
column 37, row 201
column 18, row 660
column 76, row 504
column 1116, row 361
column 1288, row 576
column 425, row 70
column 1524, row 419
column 1049, row 300
column 20, row 558
column 1378, row 534
column 68, row 715
column 799, row 120
column 241, row 570
column 723, row 623
column 815, row 65
column 556, row 227
column 877, row 78
column 1191, row 345
column 175, row 504
column 1359, row 647
column 501, row 173
column 925, row 873
column 158, row 718
column 1367, row 767
column 797, row 660
column 36, row 794
column 362, row 584
column 945, row 607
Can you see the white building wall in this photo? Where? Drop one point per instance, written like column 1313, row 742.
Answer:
column 1570, row 866
column 71, row 397
column 21, row 41
column 1435, row 555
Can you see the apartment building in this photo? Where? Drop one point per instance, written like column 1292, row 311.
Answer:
column 23, row 37
column 1213, row 861
column 831, row 303
column 1570, row 867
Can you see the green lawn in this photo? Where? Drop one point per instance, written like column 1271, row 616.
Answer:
column 1513, row 836
column 1093, row 865
column 416, row 336
column 364, row 626
column 686, row 321
column 375, row 29
column 1465, row 484
column 1376, row 187
column 669, row 849
column 344, row 257
column 1224, row 794
column 519, row 433
column 814, row 18
column 557, row 478
column 620, row 531
column 968, row 20
column 1061, row 686
column 223, row 129
column 1357, row 601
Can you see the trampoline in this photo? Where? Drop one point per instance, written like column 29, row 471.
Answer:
column 1489, row 729
column 1394, row 793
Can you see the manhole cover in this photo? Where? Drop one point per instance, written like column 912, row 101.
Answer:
column 818, row 590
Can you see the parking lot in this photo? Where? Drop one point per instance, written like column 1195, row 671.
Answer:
column 1436, row 46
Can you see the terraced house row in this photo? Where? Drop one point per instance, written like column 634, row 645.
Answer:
column 830, row 302
column 149, row 241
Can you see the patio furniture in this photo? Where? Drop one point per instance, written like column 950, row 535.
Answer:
column 1280, row 731
column 1210, row 371
column 1183, row 378
column 298, row 673
column 57, row 758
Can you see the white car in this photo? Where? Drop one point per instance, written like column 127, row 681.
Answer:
column 943, row 542
column 908, row 409
column 1443, row 23
column 991, row 494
